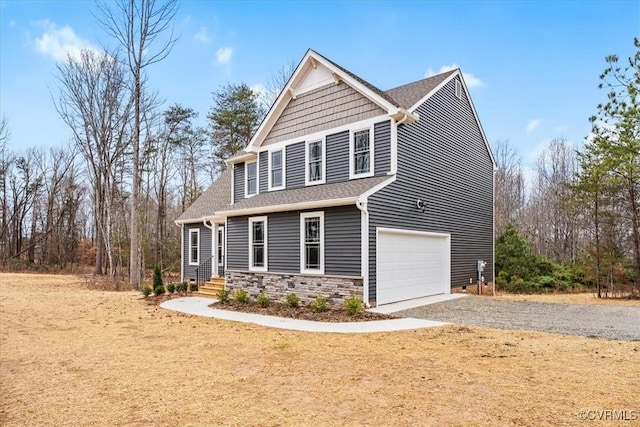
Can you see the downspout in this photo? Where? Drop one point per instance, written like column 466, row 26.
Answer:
column 364, row 251
column 214, row 237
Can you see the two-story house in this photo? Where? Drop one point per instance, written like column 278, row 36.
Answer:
column 348, row 189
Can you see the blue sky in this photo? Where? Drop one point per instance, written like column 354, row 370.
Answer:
column 532, row 67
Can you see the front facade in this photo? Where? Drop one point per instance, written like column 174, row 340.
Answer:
column 346, row 189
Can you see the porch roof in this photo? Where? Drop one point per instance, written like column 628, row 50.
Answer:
column 216, row 197
column 340, row 193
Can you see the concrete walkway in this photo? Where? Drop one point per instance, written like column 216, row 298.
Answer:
column 200, row 307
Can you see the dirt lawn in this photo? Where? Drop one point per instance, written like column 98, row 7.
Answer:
column 72, row 356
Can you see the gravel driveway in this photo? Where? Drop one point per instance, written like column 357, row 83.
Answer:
column 601, row 321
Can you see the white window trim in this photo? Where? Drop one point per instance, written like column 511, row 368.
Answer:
column 323, row 169
column 246, row 179
column 304, row 215
column 195, row 231
column 266, row 239
column 284, row 169
column 353, row 175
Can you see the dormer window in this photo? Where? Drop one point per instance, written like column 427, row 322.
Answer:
column 315, row 165
column 361, row 154
column 251, row 173
column 276, row 170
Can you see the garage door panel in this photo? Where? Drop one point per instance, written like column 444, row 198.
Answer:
column 411, row 265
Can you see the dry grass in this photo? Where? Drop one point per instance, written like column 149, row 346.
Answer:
column 581, row 298
column 73, row 356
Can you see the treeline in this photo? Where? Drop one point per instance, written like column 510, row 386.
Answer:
column 576, row 220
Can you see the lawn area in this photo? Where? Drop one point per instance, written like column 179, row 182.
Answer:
column 75, row 356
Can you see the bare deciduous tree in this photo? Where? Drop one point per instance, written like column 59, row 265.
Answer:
column 94, row 103
column 138, row 27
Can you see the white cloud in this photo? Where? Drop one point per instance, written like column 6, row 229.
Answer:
column 471, row 80
column 259, row 88
column 203, row 36
column 223, row 55
column 533, row 125
column 58, row 42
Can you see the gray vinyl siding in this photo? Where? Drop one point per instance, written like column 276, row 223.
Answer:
column 263, row 172
column 238, row 182
column 283, row 237
column 295, row 165
column 337, row 157
column 320, row 109
column 342, row 242
column 443, row 160
column 238, row 243
column 342, row 251
column 382, row 149
column 205, row 248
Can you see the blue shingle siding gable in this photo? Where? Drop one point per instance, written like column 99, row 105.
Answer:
column 443, row 160
column 205, row 248
column 238, row 182
column 342, row 241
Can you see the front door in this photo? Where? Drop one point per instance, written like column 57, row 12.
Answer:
column 220, row 251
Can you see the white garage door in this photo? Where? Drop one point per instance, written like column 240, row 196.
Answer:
column 411, row 264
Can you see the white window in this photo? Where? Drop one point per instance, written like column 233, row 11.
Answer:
column 361, row 154
column 312, row 242
column 251, row 178
column 315, row 162
column 258, row 243
column 458, row 89
column 276, row 170
column 194, row 246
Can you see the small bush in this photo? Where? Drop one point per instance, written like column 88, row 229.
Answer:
column 241, row 296
column 319, row 304
column 146, row 291
column 171, row 288
column 157, row 277
column 181, row 287
column 223, row 295
column 292, row 300
column 353, row 305
column 262, row 300
column 158, row 290
column 194, row 287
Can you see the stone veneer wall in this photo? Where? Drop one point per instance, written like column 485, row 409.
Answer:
column 278, row 285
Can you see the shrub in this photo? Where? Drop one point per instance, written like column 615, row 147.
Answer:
column 157, row 277
column 223, row 295
column 181, row 287
column 171, row 288
column 241, row 296
column 319, row 304
column 158, row 290
column 262, row 300
column 194, row 287
column 292, row 300
column 146, row 291
column 353, row 305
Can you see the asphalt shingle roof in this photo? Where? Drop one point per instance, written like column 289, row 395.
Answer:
column 217, row 197
column 339, row 190
column 407, row 95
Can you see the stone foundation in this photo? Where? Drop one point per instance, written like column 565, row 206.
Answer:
column 278, row 285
